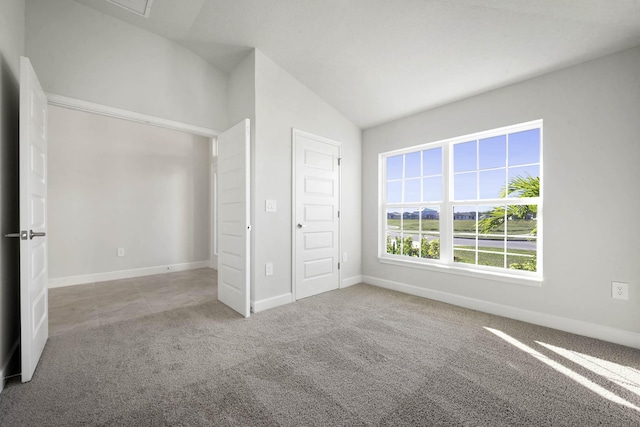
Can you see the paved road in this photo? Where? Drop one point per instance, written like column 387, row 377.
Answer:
column 526, row 245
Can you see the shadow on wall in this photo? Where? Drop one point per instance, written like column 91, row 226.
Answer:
column 9, row 214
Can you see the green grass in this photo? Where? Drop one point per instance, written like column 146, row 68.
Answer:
column 414, row 224
column 492, row 257
column 518, row 226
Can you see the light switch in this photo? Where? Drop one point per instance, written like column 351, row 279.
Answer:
column 271, row 206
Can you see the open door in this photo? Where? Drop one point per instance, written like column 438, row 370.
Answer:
column 233, row 218
column 34, row 309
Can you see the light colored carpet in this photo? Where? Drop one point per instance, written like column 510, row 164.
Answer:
column 358, row 356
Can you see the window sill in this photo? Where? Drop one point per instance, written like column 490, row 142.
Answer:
column 461, row 271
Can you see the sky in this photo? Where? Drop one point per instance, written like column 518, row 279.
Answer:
column 481, row 168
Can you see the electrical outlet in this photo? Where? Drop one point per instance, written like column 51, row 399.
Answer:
column 270, row 206
column 268, row 269
column 120, row 251
column 620, row 290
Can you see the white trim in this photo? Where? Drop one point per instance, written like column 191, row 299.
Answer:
column 213, row 204
column 272, row 302
column 125, row 274
column 592, row 330
column 460, row 270
column 351, row 281
column 3, row 370
column 104, row 110
column 147, row 8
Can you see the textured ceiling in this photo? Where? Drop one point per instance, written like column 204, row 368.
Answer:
column 378, row 60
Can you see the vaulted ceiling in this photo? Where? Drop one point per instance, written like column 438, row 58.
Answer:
column 378, row 60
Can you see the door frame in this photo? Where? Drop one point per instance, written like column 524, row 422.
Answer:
column 213, row 204
column 119, row 113
column 295, row 133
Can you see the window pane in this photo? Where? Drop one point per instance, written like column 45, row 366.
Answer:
column 491, row 219
column 430, row 219
column 521, row 220
column 394, row 192
column 394, row 219
column 432, row 162
column 524, row 147
column 521, row 246
column 467, row 257
column 465, row 186
column 493, row 152
column 526, row 184
column 515, row 262
column 490, row 243
column 411, row 244
column 394, row 243
column 412, row 190
column 464, row 219
column 493, row 259
column 412, row 165
column 410, row 220
column 492, row 182
column 394, row 167
column 432, row 189
column 430, row 246
column 464, row 157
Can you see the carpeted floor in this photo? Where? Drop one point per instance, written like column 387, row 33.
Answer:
column 358, row 356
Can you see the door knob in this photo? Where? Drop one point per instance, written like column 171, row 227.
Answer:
column 21, row 235
column 301, row 225
column 33, row 234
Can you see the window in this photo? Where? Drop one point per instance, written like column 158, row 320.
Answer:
column 472, row 202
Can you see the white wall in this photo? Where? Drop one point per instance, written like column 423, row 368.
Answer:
column 283, row 103
column 115, row 183
column 12, row 30
column 591, row 116
column 82, row 53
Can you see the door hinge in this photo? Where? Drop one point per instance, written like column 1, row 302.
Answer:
column 338, row 266
column 339, row 158
column 338, row 214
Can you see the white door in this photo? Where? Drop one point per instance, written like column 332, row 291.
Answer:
column 34, row 308
column 233, row 218
column 316, row 177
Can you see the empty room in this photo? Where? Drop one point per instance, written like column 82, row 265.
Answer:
column 319, row 212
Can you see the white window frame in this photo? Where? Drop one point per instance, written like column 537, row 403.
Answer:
column 445, row 263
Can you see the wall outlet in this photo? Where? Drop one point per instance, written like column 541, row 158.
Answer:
column 268, row 269
column 620, row 290
column 120, row 251
column 270, row 206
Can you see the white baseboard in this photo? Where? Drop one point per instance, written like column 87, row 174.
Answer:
column 592, row 330
column 350, row 281
column 272, row 302
column 125, row 274
column 5, row 364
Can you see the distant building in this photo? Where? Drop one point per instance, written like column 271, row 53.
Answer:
column 430, row 214
column 464, row 215
column 426, row 213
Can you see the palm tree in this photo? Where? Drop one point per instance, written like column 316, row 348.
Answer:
column 519, row 186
